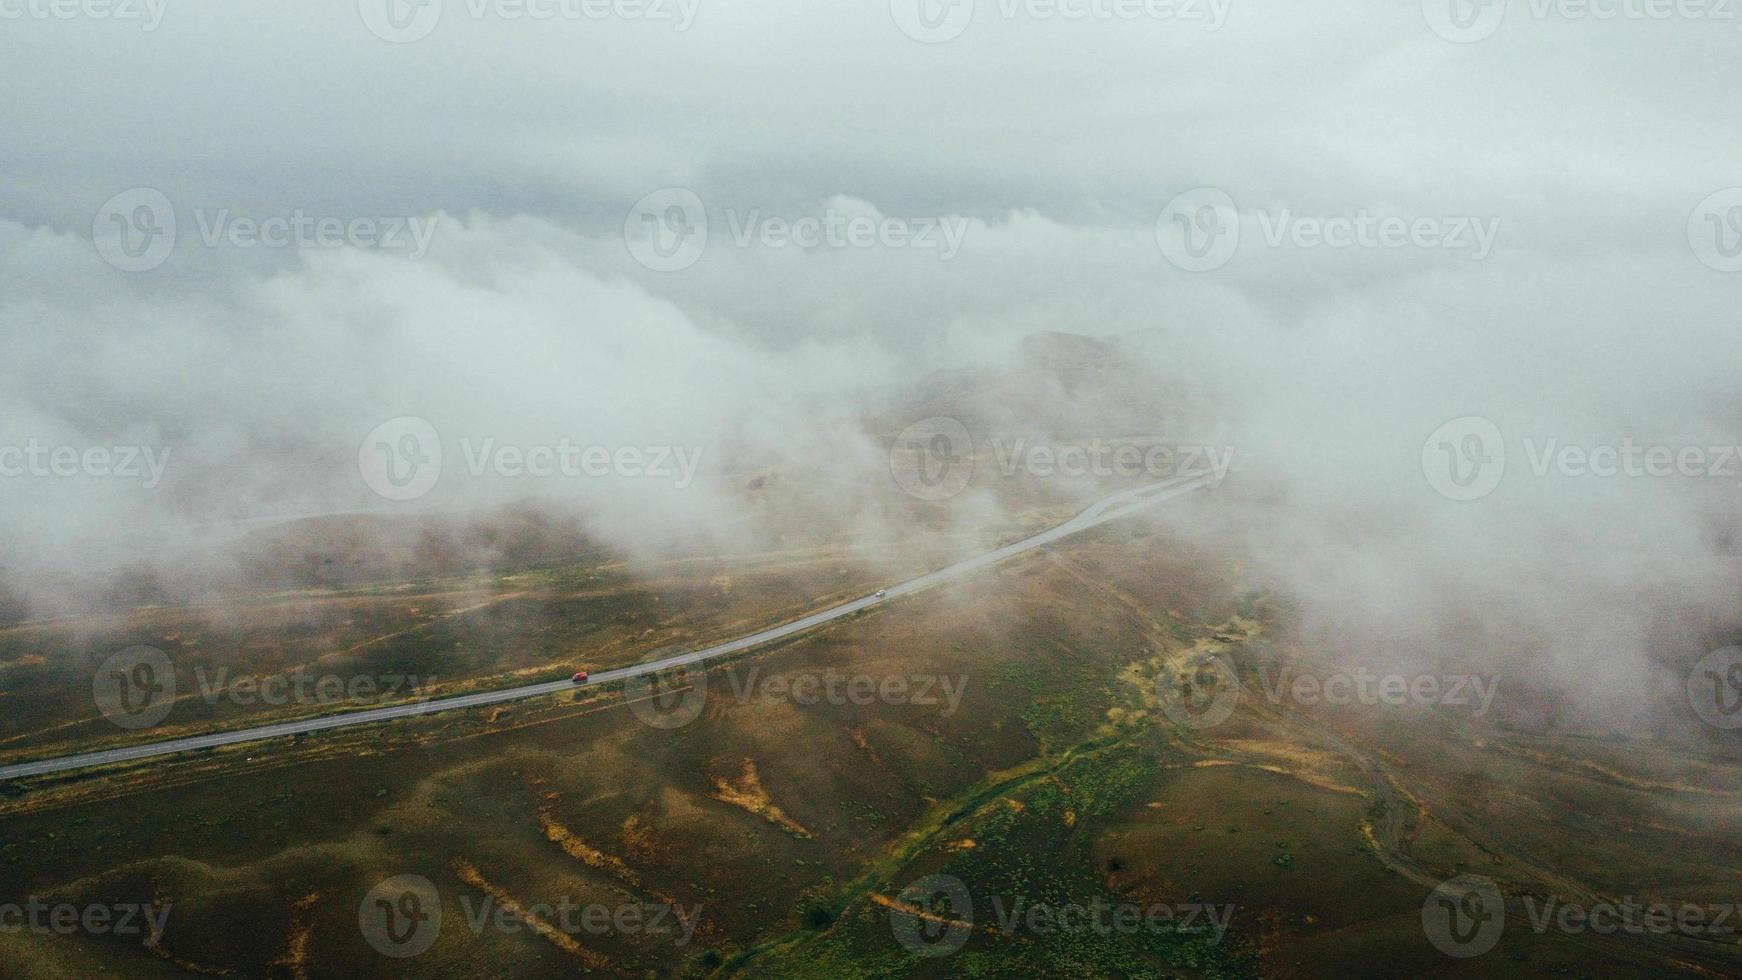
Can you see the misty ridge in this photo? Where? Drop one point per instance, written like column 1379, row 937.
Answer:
column 1587, row 590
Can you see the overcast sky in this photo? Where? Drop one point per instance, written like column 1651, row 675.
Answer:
column 1588, row 139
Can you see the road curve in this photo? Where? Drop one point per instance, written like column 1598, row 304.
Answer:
column 1107, row 509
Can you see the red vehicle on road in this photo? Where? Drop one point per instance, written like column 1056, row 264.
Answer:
column 580, row 677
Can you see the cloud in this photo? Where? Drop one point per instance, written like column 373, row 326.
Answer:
column 1054, row 146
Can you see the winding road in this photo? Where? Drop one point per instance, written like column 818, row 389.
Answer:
column 1106, row 509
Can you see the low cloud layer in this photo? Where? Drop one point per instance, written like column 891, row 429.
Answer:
column 1588, row 300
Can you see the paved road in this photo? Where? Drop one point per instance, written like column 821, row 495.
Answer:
column 1107, row 509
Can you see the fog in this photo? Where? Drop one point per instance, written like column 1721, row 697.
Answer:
column 1588, row 148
